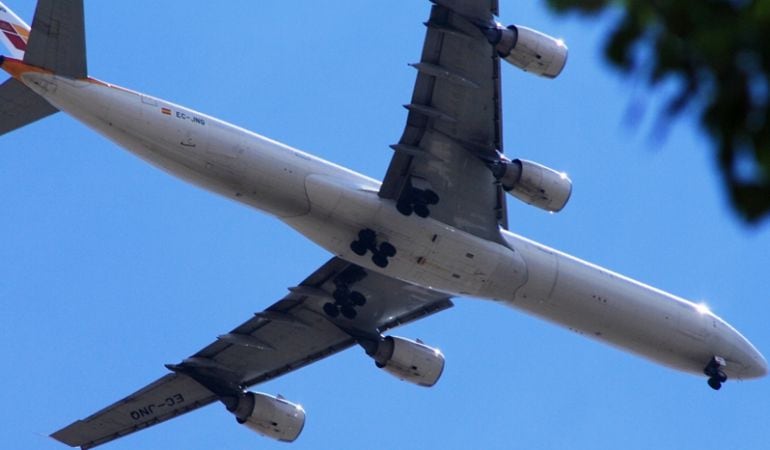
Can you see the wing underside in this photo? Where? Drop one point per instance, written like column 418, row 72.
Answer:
column 290, row 334
column 453, row 124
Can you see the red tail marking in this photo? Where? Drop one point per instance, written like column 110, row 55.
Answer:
column 16, row 40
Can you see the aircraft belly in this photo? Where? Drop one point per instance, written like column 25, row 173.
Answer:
column 201, row 150
column 428, row 252
column 611, row 308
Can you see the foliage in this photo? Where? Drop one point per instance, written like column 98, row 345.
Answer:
column 719, row 53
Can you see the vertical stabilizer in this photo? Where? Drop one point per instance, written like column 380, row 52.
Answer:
column 14, row 33
column 57, row 41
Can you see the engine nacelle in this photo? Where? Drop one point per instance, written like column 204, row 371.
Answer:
column 269, row 416
column 529, row 50
column 409, row 361
column 534, row 184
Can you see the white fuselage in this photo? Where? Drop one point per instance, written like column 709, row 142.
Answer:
column 330, row 204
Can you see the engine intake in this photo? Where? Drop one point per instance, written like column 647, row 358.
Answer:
column 408, row 360
column 269, row 416
column 534, row 184
column 529, row 50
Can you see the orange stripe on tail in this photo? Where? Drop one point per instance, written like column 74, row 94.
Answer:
column 17, row 68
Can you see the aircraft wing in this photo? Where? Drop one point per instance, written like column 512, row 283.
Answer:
column 454, row 121
column 288, row 335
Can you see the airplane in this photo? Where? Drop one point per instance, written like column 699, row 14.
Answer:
column 435, row 228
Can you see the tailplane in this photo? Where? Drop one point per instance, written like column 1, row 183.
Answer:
column 56, row 43
column 19, row 106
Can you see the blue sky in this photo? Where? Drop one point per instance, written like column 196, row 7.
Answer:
column 110, row 268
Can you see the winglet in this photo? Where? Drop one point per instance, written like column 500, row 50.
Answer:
column 14, row 32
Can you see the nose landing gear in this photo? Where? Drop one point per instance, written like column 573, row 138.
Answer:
column 713, row 370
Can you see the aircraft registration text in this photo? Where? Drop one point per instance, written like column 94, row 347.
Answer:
column 193, row 119
column 150, row 410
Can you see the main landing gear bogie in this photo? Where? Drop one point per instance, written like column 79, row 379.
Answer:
column 367, row 242
column 416, row 201
column 346, row 300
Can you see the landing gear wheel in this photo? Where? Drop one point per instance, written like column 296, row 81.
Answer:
column 421, row 210
column 380, row 260
column 367, row 236
column 340, row 296
column 348, row 312
column 721, row 376
column 430, row 197
column 715, row 384
column 331, row 310
column 404, row 207
column 358, row 248
column 357, row 298
column 387, row 250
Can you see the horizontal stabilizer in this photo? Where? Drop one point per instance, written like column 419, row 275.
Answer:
column 20, row 106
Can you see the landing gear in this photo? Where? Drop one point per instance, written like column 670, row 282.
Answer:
column 346, row 300
column 332, row 309
column 714, row 383
column 348, row 312
column 713, row 370
column 404, row 206
column 416, row 201
column 386, row 251
column 421, row 211
column 367, row 241
column 357, row 298
column 380, row 260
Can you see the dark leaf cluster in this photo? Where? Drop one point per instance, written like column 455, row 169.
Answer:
column 718, row 52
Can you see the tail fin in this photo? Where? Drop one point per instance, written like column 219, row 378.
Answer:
column 56, row 42
column 19, row 106
column 14, row 33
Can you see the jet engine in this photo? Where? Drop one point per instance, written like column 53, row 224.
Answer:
column 534, row 184
column 273, row 417
column 528, row 49
column 408, row 360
